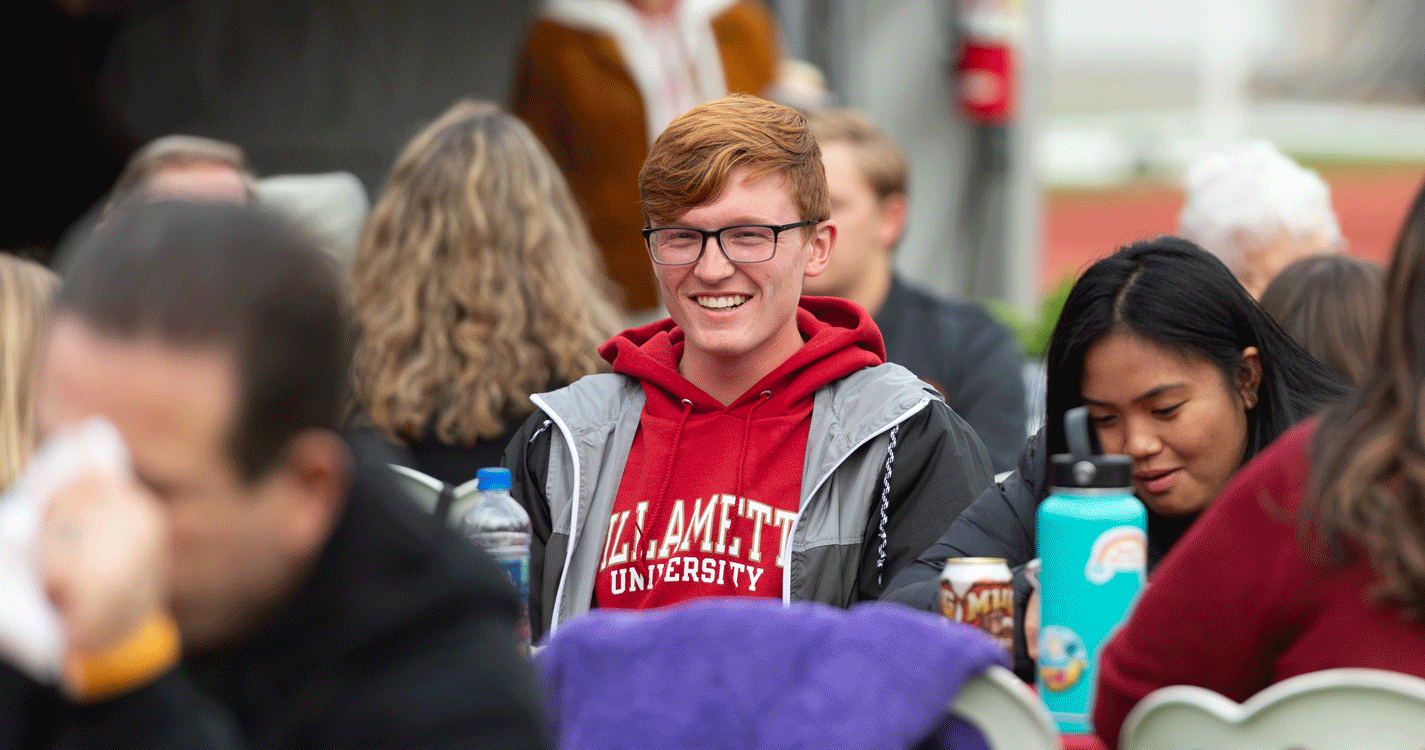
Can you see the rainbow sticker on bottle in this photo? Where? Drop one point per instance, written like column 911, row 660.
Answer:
column 1121, row 549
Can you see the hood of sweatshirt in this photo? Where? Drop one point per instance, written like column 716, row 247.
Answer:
column 840, row 338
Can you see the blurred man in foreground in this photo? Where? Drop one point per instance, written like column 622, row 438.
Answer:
column 314, row 608
column 972, row 359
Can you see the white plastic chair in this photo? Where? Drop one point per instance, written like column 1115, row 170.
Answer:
column 1334, row 709
column 427, row 491
column 1006, row 711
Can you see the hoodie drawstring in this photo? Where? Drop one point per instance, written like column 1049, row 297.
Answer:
column 663, row 507
column 885, row 505
column 746, row 435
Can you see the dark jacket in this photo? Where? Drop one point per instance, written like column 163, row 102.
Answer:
column 401, row 637
column 972, row 359
column 937, row 460
column 1001, row 522
column 453, row 464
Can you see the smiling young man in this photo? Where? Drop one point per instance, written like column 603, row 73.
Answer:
column 755, row 443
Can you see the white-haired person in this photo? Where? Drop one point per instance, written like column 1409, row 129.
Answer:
column 1257, row 210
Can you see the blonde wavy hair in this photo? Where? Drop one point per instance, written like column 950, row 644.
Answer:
column 475, row 284
column 26, row 291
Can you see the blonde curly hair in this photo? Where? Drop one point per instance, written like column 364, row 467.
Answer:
column 26, row 293
column 475, row 284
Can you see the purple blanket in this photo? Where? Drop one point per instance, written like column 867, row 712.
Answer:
column 738, row 673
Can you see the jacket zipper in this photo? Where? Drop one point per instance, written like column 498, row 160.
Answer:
column 792, row 535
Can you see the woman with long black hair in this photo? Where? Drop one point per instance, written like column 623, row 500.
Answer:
column 1180, row 369
column 1314, row 556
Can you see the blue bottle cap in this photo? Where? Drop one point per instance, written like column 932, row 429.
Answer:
column 495, row 478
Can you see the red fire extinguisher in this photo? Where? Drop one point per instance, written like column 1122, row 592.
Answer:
column 985, row 71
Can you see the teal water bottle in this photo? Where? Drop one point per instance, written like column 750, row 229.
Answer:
column 1093, row 552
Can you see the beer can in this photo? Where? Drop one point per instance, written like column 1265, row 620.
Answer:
column 979, row 591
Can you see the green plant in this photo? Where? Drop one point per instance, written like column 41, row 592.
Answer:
column 1035, row 330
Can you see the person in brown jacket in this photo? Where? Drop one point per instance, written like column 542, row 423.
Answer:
column 598, row 81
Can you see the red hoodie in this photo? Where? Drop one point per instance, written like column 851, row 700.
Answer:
column 709, row 492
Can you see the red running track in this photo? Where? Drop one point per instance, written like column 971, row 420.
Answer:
column 1084, row 225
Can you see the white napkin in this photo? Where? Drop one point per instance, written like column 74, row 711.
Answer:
column 31, row 638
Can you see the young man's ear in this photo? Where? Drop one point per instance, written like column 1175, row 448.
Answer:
column 822, row 241
column 894, row 208
column 318, row 473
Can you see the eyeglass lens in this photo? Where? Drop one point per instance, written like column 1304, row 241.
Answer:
column 744, row 244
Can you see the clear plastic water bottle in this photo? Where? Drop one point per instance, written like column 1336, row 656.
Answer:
column 498, row 524
column 1093, row 550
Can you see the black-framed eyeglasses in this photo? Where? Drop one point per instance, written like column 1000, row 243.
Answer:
column 744, row 243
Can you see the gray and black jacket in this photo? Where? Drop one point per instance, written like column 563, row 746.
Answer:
column 967, row 355
column 888, row 467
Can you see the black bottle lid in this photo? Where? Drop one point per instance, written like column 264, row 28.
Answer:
column 1092, row 472
column 1085, row 467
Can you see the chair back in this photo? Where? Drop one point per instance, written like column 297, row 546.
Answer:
column 446, row 502
column 1334, row 709
column 1006, row 712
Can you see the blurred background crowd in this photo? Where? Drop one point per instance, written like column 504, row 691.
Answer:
column 1095, row 108
column 473, row 168
column 1105, row 97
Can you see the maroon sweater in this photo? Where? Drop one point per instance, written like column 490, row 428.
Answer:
column 1237, row 605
